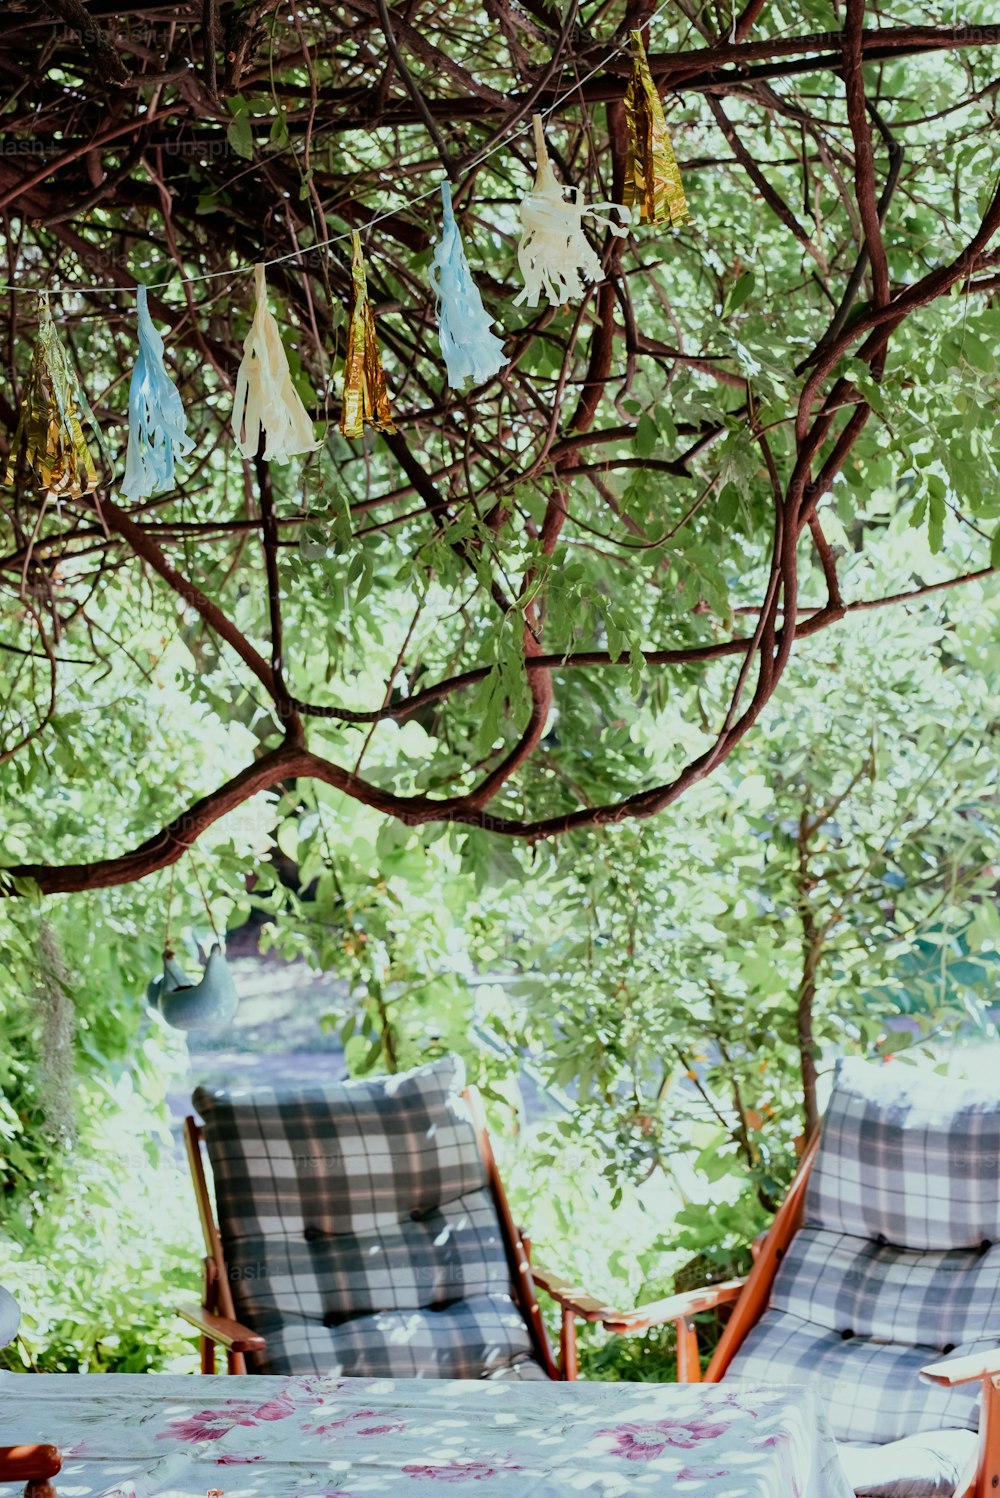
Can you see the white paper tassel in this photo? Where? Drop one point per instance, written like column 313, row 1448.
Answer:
column 265, row 395
column 554, row 254
column 470, row 349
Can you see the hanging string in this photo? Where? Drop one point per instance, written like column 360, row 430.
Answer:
column 204, row 896
column 170, row 905
column 515, row 133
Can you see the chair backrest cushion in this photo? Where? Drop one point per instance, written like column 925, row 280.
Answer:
column 346, row 1157
column 908, row 1157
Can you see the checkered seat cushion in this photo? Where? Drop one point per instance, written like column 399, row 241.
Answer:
column 897, row 1263
column 359, row 1230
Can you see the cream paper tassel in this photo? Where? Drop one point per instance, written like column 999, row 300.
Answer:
column 554, row 254
column 265, row 395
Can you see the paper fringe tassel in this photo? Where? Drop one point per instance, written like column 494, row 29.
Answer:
column 265, row 395
column 554, row 253
column 157, row 432
column 365, row 397
column 470, row 349
column 55, row 448
column 652, row 176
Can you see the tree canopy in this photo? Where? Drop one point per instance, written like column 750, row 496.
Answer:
column 663, row 493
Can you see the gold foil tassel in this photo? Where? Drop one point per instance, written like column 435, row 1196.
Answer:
column 365, row 397
column 652, row 176
column 48, row 424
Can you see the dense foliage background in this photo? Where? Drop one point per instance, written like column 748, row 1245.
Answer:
column 362, row 693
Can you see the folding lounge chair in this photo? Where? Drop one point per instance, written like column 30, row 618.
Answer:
column 362, row 1230
column 879, row 1283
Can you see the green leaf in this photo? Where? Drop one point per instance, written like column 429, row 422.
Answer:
column 739, row 293
column 647, row 438
column 240, row 134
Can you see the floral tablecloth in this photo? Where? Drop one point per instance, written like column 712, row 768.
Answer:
column 162, row 1436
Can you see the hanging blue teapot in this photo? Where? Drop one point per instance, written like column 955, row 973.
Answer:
column 207, row 1005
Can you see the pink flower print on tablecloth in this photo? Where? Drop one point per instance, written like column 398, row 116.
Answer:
column 460, row 1471
column 357, row 1423
column 702, row 1474
column 212, row 1425
column 645, row 1442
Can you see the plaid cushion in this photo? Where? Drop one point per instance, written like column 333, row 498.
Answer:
column 934, row 1300
column 870, row 1389
column 480, row 1338
column 908, row 1156
column 359, row 1232
column 340, row 1158
column 449, row 1254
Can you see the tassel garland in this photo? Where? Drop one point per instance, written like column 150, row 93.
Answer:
column 652, row 176
column 470, row 349
column 55, row 447
column 265, row 395
column 365, row 396
column 554, row 253
column 555, row 258
column 157, row 432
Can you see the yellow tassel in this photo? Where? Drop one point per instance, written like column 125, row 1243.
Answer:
column 652, row 176
column 55, row 448
column 365, row 398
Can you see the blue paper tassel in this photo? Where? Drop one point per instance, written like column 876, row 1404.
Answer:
column 470, row 350
column 156, row 422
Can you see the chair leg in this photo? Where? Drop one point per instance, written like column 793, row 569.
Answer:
column 688, row 1362
column 988, row 1476
column 567, row 1345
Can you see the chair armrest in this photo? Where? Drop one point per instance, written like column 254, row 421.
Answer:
column 953, row 1371
column 675, row 1307
column 569, row 1295
column 20, row 1463
column 219, row 1329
